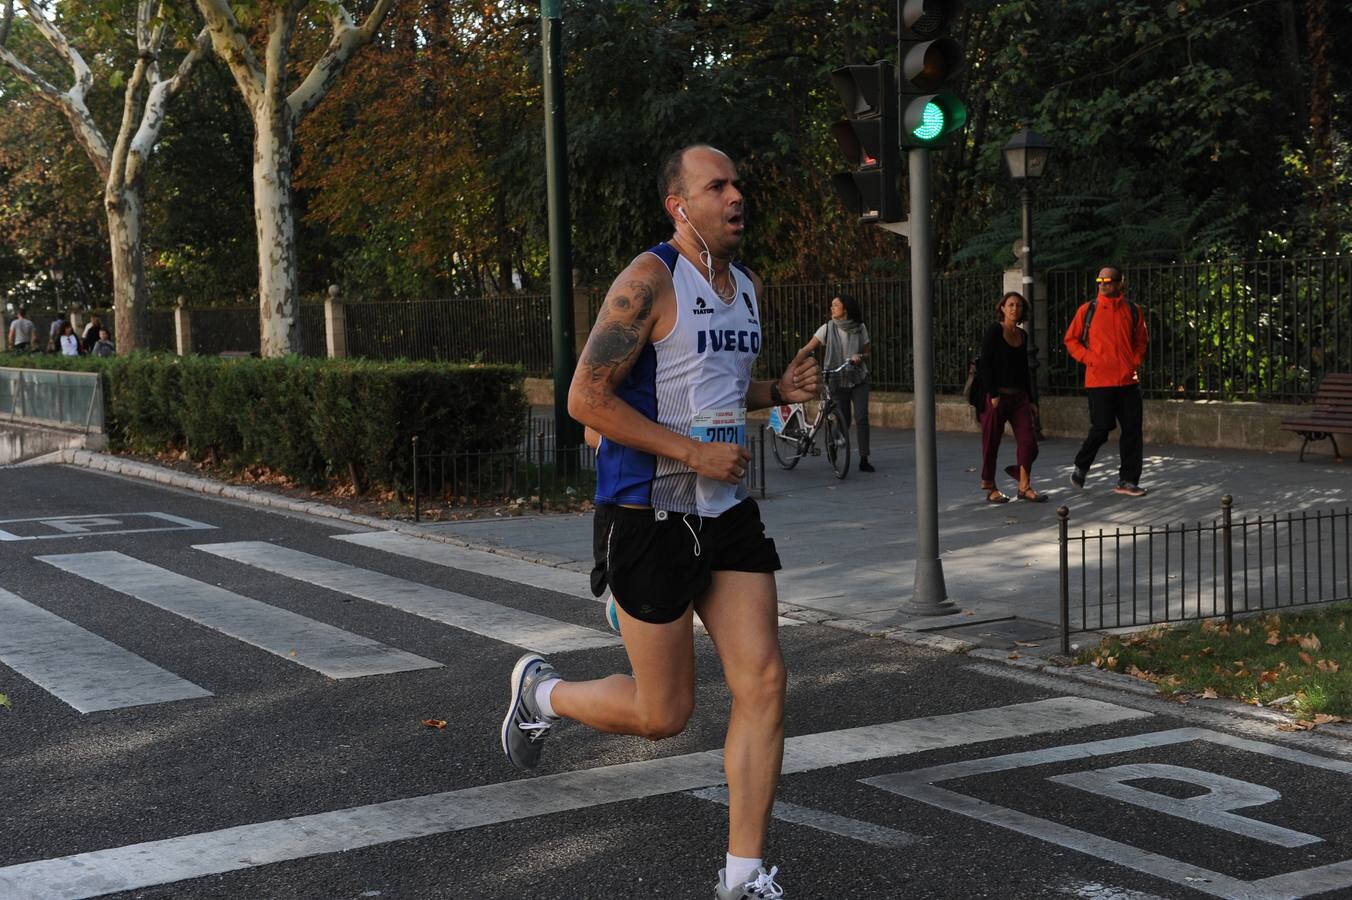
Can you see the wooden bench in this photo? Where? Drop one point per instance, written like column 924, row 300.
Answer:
column 1330, row 413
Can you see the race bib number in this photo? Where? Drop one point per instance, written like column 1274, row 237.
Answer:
column 727, row 426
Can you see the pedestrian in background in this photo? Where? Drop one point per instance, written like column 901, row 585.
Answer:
column 70, row 344
column 845, row 337
column 91, row 334
column 1008, row 394
column 1108, row 336
column 22, row 331
column 54, row 333
column 103, row 346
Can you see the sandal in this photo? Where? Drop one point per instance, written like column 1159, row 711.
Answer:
column 996, row 497
column 1032, row 496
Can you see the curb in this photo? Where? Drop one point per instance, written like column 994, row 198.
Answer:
column 104, row 462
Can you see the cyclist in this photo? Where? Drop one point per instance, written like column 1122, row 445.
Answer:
column 665, row 379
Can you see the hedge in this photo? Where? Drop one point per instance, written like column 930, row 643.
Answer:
column 310, row 419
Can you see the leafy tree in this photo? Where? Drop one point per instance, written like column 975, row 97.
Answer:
column 276, row 106
column 121, row 164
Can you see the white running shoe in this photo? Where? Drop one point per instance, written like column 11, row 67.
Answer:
column 762, row 887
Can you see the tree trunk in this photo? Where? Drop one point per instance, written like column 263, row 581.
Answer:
column 274, row 219
column 130, row 295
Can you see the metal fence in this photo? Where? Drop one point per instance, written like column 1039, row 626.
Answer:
column 1235, row 330
column 1161, row 574
column 508, row 329
column 530, row 472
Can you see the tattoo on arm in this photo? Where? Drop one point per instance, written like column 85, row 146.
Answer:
column 618, row 335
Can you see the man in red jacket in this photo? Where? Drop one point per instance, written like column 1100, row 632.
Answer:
column 1108, row 336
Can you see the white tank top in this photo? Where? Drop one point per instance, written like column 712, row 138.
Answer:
column 693, row 381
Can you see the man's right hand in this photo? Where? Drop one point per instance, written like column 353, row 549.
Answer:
column 721, row 462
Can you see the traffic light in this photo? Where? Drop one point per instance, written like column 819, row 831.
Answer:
column 931, row 112
column 868, row 138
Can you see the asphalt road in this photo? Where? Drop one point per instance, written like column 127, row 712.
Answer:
column 197, row 797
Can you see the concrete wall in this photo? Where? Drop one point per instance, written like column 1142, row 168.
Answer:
column 20, row 442
column 1190, row 423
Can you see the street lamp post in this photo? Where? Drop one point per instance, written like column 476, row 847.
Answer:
column 1026, row 156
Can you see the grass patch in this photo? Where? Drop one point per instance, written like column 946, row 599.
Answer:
column 1297, row 662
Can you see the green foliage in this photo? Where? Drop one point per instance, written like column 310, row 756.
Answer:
column 1295, row 660
column 311, row 420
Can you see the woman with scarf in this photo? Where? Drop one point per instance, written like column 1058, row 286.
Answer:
column 845, row 337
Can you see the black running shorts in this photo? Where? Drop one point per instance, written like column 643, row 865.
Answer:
column 657, row 563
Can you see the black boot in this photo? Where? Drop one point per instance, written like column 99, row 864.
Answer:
column 865, row 466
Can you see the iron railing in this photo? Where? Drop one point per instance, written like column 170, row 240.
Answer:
column 1235, row 330
column 1265, row 330
column 529, row 472
column 1163, row 574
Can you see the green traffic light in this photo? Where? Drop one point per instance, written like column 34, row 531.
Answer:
column 931, row 124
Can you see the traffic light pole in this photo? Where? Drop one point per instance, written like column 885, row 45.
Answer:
column 567, row 432
column 929, row 597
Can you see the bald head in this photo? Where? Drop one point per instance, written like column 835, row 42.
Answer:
column 671, row 177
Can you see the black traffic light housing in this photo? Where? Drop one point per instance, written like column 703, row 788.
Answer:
column 868, row 139
column 930, row 61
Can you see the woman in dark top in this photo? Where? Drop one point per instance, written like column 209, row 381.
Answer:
column 1008, row 390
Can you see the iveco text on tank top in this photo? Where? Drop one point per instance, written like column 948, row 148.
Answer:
column 693, row 381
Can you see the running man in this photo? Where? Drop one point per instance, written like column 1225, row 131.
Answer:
column 665, row 379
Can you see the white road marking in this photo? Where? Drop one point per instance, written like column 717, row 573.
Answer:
column 325, row 649
column 77, row 666
column 481, row 562
column 138, row 866
column 922, row 785
column 500, row 623
column 85, row 525
column 855, row 829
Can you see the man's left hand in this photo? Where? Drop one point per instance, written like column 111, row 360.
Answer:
column 801, row 381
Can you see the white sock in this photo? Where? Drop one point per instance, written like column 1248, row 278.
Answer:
column 739, row 870
column 542, row 692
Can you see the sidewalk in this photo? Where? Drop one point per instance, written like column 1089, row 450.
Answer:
column 848, row 547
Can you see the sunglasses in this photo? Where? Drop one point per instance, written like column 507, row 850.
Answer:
column 1106, row 280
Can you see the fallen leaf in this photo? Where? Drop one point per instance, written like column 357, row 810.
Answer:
column 1206, row 651
column 1326, row 665
column 1306, row 658
column 1134, row 672
column 1267, row 677
column 1310, row 642
column 1013, row 656
column 1026, row 644
column 1209, row 694
column 435, row 723
column 1274, row 638
column 4, row 701
column 1242, row 673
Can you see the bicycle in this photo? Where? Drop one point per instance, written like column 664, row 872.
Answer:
column 792, row 438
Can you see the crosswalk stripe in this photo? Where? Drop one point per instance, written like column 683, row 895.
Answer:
column 325, row 649
column 165, row 861
column 480, row 617
column 77, row 666
column 481, row 562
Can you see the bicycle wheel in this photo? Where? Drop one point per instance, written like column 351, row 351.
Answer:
column 837, row 442
column 787, row 451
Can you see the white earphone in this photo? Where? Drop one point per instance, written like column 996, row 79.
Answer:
column 681, row 210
